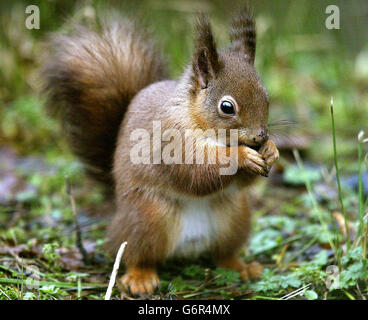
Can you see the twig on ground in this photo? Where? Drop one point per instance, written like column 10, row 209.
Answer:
column 295, row 293
column 115, row 270
column 78, row 233
column 5, row 294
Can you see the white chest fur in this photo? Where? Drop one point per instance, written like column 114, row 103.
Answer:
column 201, row 220
column 198, row 227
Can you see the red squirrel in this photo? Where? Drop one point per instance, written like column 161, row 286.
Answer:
column 107, row 82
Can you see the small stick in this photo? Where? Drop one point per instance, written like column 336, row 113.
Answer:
column 78, row 233
column 115, row 270
column 295, row 293
column 5, row 294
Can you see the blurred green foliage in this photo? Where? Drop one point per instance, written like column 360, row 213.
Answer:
column 301, row 62
column 302, row 65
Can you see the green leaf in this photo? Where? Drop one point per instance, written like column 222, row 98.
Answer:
column 311, row 295
column 296, row 176
column 271, row 283
column 321, row 258
column 265, row 240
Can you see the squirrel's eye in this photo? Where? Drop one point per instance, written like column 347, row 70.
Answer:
column 227, row 108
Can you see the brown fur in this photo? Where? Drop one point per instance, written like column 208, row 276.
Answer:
column 151, row 199
column 243, row 35
column 205, row 51
column 90, row 78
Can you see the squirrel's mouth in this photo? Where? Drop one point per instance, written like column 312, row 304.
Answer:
column 255, row 147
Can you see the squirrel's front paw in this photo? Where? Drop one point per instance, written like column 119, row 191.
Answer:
column 270, row 153
column 140, row 282
column 254, row 161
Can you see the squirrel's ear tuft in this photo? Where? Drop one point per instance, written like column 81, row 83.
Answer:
column 205, row 60
column 243, row 35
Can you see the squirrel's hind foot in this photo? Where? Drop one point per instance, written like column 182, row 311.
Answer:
column 251, row 271
column 247, row 271
column 140, row 281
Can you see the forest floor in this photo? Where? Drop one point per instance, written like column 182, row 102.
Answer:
column 40, row 257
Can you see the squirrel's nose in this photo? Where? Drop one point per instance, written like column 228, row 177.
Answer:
column 261, row 136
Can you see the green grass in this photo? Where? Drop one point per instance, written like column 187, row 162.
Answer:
column 348, row 241
column 294, row 233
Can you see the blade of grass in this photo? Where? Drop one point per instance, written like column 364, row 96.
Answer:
column 79, row 292
column 349, row 295
column 66, row 285
column 338, row 175
column 263, row 298
column 360, row 183
column 306, row 247
column 365, row 234
column 21, row 287
column 316, row 208
column 365, row 217
column 365, row 214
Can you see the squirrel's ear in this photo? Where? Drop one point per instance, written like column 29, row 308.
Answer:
column 243, row 35
column 205, row 61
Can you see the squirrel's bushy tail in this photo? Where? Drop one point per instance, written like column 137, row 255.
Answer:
column 90, row 78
